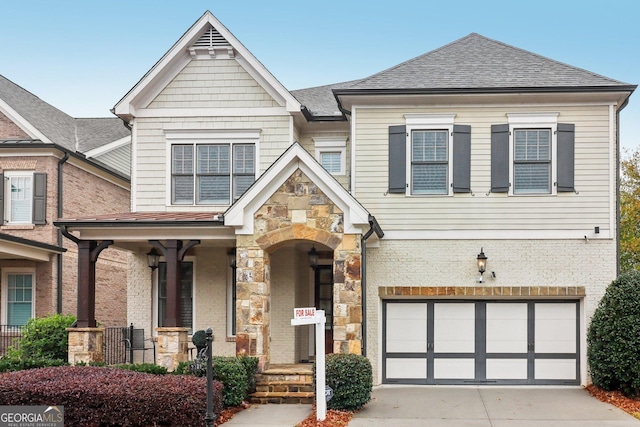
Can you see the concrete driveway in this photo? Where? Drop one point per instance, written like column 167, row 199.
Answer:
column 439, row 406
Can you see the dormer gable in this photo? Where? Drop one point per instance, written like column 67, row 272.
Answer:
column 206, row 39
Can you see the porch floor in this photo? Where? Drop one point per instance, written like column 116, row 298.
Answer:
column 285, row 383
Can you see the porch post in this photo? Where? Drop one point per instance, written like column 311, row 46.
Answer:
column 88, row 252
column 174, row 277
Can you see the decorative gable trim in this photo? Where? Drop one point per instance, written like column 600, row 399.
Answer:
column 240, row 214
column 195, row 42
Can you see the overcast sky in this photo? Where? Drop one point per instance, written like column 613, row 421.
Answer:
column 84, row 56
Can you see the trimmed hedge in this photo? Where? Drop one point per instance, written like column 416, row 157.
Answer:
column 12, row 363
column 613, row 337
column 98, row 396
column 351, row 378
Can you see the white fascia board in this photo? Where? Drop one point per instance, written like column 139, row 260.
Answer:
column 178, row 57
column 240, row 215
column 108, row 147
column 22, row 123
column 18, row 251
column 586, row 235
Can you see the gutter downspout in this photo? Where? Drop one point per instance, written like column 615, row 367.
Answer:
column 64, row 158
column 375, row 227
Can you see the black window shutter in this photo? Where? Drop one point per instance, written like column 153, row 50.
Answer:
column 1, row 198
column 39, row 198
column 566, row 156
column 500, row 158
column 397, row 159
column 461, row 159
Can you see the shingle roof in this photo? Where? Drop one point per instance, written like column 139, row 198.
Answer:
column 70, row 133
column 146, row 218
column 472, row 63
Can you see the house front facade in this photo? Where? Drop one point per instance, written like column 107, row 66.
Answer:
column 47, row 171
column 461, row 209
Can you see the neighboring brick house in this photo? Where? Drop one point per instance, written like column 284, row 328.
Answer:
column 48, row 172
column 405, row 184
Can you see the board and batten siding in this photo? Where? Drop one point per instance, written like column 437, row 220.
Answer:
column 589, row 206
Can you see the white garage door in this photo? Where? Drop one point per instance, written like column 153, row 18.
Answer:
column 481, row 342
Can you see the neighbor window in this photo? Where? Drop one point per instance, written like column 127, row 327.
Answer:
column 186, row 294
column 532, row 161
column 19, row 197
column 211, row 174
column 429, row 162
column 18, row 297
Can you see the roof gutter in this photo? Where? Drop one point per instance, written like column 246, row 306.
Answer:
column 487, row 90
column 374, row 228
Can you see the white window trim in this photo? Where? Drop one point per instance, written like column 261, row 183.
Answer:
column 7, row 195
column 534, row 121
column 5, row 289
column 325, row 144
column 154, row 292
column 209, row 136
column 418, row 122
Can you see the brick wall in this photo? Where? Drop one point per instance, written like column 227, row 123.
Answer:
column 9, row 130
column 516, row 263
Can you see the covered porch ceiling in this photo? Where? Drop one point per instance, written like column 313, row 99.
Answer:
column 12, row 247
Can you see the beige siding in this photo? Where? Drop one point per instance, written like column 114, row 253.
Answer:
column 481, row 210
column 152, row 174
column 213, row 83
column 306, row 140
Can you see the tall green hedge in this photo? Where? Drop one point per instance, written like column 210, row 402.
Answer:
column 45, row 338
column 613, row 337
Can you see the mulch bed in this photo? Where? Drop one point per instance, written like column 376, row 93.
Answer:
column 616, row 398
column 333, row 419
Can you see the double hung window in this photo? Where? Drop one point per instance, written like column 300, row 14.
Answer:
column 429, row 162
column 211, row 174
column 18, row 297
column 532, row 161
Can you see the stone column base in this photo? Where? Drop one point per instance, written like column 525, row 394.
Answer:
column 173, row 347
column 85, row 345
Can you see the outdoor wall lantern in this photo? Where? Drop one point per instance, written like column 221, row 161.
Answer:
column 153, row 259
column 482, row 264
column 232, row 258
column 313, row 257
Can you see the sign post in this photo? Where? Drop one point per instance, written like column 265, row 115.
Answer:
column 308, row 316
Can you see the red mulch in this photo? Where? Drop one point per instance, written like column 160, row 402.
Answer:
column 616, row 398
column 333, row 419
column 228, row 413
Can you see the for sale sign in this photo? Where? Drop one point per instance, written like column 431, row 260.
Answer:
column 304, row 313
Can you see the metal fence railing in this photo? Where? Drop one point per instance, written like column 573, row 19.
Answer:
column 114, row 348
column 10, row 336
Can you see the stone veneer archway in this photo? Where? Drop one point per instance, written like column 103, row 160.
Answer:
column 298, row 210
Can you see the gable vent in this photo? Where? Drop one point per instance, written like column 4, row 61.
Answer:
column 211, row 45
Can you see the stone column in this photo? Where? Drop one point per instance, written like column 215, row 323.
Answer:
column 252, row 302
column 172, row 347
column 347, row 296
column 85, row 345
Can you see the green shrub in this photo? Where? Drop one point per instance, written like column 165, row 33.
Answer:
column 351, row 379
column 147, row 368
column 183, row 369
column 45, row 338
column 613, row 337
column 11, row 363
column 233, row 375
column 250, row 364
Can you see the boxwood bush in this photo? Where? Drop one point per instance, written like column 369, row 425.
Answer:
column 45, row 338
column 613, row 337
column 100, row 396
column 351, row 379
column 12, row 363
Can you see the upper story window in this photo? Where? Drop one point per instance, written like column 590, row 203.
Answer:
column 532, row 154
column 532, row 161
column 430, row 162
column 331, row 154
column 23, row 197
column 430, row 155
column 211, row 168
